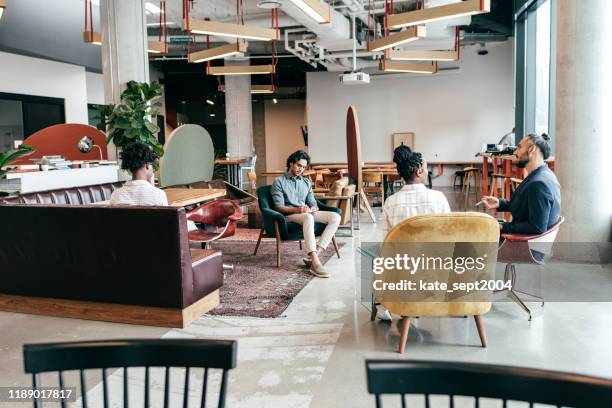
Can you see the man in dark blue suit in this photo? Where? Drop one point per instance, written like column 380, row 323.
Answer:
column 536, row 204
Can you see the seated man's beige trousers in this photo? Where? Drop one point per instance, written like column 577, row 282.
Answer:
column 307, row 220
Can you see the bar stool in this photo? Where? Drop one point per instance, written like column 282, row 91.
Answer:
column 470, row 173
column 494, row 185
column 460, row 174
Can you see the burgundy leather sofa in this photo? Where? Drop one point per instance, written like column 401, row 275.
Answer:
column 122, row 263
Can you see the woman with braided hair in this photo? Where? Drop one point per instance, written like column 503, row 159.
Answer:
column 413, row 199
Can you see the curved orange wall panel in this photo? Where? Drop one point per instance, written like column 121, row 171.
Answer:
column 62, row 140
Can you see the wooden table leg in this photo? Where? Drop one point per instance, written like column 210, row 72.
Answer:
column 485, row 175
column 507, row 172
column 493, row 179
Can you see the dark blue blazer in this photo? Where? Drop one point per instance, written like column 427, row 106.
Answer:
column 535, row 205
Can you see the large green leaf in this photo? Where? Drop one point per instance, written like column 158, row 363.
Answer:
column 10, row 156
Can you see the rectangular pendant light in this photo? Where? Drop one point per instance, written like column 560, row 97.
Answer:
column 92, row 37
column 255, row 89
column 230, row 30
column 416, row 55
column 2, row 7
column 242, row 70
column 156, row 47
column 263, row 89
column 427, row 15
column 389, row 66
column 218, row 52
column 403, row 37
column 320, row 12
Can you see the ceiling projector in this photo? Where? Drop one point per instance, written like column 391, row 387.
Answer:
column 352, row 78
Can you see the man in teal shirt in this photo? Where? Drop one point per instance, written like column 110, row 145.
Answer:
column 292, row 196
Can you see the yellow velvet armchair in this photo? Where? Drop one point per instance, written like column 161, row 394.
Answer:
column 472, row 227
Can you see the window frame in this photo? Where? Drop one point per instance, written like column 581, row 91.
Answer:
column 525, row 57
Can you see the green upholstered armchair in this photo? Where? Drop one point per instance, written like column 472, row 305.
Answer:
column 275, row 225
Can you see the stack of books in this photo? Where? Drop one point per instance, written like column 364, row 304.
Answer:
column 56, row 162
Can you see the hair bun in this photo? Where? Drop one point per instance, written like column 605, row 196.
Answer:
column 545, row 137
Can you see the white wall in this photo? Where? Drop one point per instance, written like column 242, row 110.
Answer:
column 283, row 134
column 39, row 77
column 95, row 88
column 451, row 114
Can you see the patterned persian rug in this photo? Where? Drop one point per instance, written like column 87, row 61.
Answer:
column 256, row 287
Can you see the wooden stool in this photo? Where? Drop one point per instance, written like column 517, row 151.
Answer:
column 470, row 173
column 504, row 182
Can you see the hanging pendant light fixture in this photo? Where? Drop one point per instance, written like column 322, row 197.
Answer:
column 89, row 35
column 229, row 30
column 394, row 39
column 161, row 45
column 241, row 70
column 223, row 51
column 249, row 69
column 256, row 89
column 320, row 12
column 420, row 55
column 391, row 66
column 448, row 11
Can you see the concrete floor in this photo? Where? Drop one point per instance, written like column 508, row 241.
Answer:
column 313, row 356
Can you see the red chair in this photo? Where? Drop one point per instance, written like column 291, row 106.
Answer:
column 219, row 219
column 525, row 249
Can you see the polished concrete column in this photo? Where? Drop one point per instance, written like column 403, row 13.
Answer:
column 124, row 47
column 583, row 121
column 238, row 112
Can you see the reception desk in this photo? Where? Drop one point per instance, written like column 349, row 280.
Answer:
column 32, row 182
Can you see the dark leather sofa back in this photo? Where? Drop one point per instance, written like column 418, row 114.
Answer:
column 70, row 196
column 123, row 255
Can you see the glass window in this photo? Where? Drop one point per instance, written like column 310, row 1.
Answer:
column 11, row 123
column 542, row 70
column 534, row 74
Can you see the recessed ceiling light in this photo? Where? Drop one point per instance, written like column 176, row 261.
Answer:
column 268, row 4
column 208, row 101
column 212, row 115
column 274, row 100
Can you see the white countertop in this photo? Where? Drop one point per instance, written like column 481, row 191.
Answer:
column 55, row 179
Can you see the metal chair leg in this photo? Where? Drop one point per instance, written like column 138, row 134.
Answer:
column 374, row 309
column 518, row 301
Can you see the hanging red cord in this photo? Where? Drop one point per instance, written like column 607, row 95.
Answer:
column 458, row 42
column 163, row 31
column 186, row 14
column 275, row 26
column 386, row 14
column 369, row 27
column 89, row 20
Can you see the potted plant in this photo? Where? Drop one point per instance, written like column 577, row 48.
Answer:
column 10, row 156
column 130, row 120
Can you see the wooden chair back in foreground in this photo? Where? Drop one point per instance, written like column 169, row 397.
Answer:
column 147, row 353
column 470, row 227
column 490, row 381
